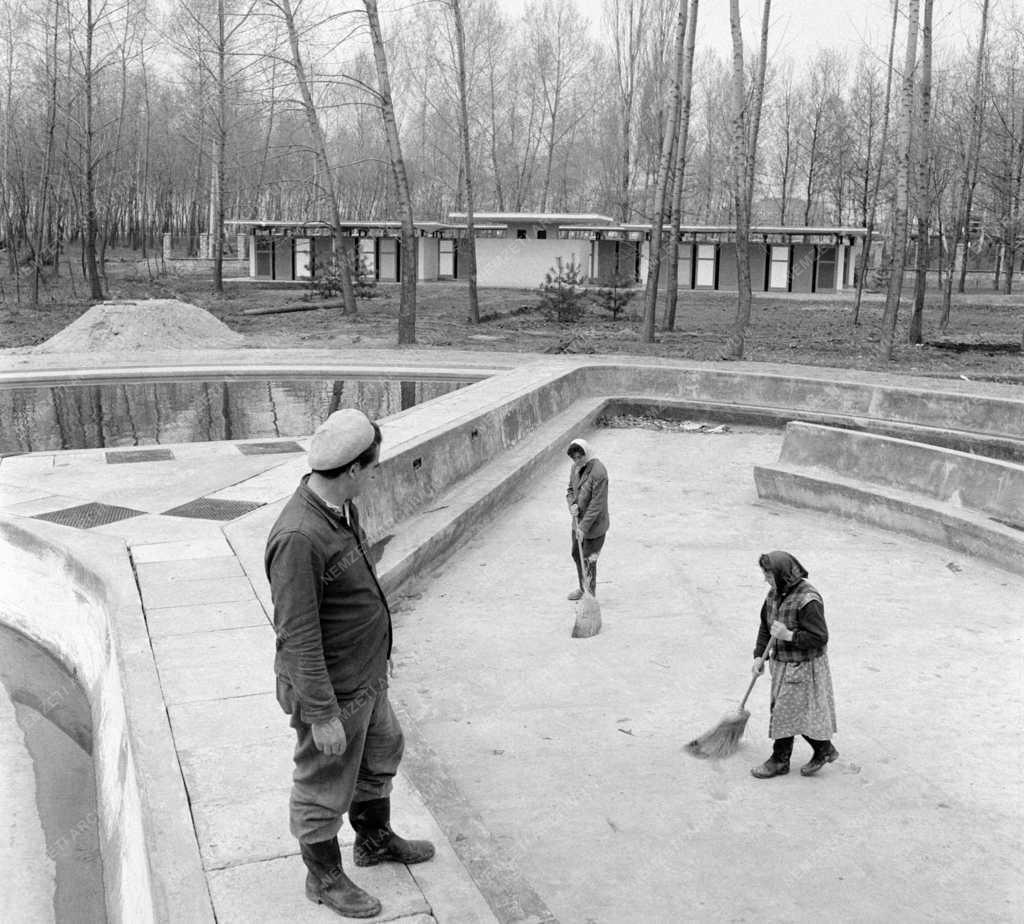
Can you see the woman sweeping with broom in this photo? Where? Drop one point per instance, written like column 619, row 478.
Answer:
column 802, row 702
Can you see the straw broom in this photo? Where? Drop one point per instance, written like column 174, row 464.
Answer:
column 724, row 739
column 588, row 610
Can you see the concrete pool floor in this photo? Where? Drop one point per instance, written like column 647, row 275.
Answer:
column 562, row 759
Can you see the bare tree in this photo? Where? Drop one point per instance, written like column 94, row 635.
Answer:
column 327, row 181
column 969, row 178
column 467, row 160
column 407, row 305
column 679, row 168
column 923, row 158
column 897, row 260
column 744, row 154
column 662, row 191
column 627, row 20
column 872, row 214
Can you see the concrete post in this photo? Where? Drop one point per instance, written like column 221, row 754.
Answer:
column 241, row 245
column 167, row 245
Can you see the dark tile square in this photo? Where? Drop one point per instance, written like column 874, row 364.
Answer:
column 269, row 448
column 120, row 456
column 86, row 516
column 210, row 508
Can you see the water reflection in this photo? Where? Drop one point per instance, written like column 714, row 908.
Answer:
column 141, row 413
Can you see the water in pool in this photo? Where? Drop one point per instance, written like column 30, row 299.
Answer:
column 34, row 419
column 49, row 848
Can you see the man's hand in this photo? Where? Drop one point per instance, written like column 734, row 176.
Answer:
column 779, row 630
column 592, row 557
column 330, row 737
column 574, row 511
column 758, row 667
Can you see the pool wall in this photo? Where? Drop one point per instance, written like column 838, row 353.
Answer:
column 74, row 593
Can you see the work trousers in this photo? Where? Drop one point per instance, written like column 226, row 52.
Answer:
column 590, row 547
column 323, row 785
column 783, row 747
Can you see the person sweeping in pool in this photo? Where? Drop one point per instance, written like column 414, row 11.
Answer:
column 333, row 631
column 587, row 498
column 802, row 701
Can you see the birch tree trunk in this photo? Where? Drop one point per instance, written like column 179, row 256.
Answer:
column 924, row 204
column 961, row 229
column 328, row 187
column 407, row 304
column 91, row 224
column 672, row 281
column 662, row 192
column 744, row 155
column 467, row 165
column 866, row 253
column 898, row 259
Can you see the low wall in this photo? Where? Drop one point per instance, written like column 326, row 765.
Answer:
column 75, row 595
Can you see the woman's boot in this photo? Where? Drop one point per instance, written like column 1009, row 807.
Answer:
column 376, row 842
column 327, row 884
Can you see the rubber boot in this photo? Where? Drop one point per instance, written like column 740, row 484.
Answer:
column 327, row 884
column 376, row 842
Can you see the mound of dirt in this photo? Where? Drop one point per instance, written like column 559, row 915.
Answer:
column 144, row 325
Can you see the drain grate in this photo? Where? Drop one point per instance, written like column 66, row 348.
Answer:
column 139, row 455
column 86, row 516
column 211, row 508
column 266, row 449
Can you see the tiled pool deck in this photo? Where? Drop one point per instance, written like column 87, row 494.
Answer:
column 212, row 644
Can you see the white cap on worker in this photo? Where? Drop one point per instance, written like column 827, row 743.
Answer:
column 340, row 439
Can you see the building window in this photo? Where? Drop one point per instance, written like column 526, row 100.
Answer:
column 542, row 235
column 520, row 234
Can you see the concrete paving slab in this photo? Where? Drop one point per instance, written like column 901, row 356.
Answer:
column 244, row 827
column 17, row 468
column 204, row 617
column 215, row 773
column 18, row 494
column 150, row 529
column 272, row 892
column 228, row 723
column 571, row 750
column 189, row 569
column 46, row 503
column 211, row 542
column 207, row 590
column 215, row 665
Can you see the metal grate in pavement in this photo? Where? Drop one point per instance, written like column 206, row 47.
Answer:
column 139, row 455
column 211, row 508
column 86, row 516
column 264, row 449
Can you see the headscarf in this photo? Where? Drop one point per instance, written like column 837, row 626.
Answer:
column 787, row 570
column 585, row 446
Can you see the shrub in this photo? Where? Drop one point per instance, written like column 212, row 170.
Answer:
column 615, row 296
column 327, row 282
column 562, row 295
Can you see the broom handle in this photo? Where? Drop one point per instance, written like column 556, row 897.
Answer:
column 767, row 654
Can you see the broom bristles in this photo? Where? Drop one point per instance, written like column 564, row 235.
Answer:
column 588, row 617
column 722, row 740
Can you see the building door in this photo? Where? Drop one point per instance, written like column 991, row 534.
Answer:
column 283, row 258
column 446, row 259
column 264, row 258
column 387, row 259
column 778, row 269
column 706, row 260
column 303, row 258
column 825, row 270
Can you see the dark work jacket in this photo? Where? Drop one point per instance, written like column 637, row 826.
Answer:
column 588, row 490
column 331, row 618
column 802, row 610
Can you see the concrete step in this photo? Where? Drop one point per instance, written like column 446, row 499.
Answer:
column 962, row 480
column 964, row 530
column 426, row 538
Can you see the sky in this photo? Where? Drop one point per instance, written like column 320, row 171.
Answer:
column 800, row 27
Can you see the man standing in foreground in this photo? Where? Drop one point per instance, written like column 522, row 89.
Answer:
column 587, row 497
column 333, row 629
